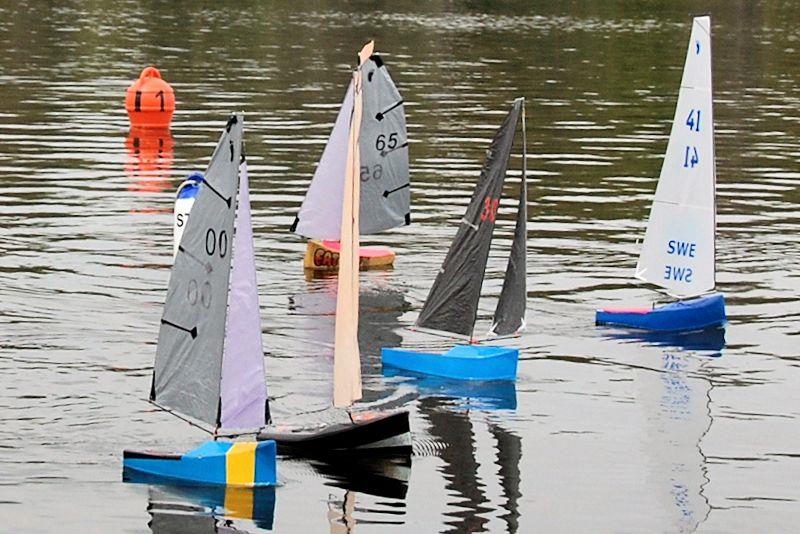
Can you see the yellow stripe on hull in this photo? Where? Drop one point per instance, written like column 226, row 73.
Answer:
column 318, row 257
column 240, row 463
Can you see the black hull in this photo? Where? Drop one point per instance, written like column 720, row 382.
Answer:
column 380, row 435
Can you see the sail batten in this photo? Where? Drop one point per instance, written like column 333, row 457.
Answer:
column 678, row 252
column 188, row 366
column 452, row 304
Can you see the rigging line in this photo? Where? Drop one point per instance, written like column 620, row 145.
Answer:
column 381, row 114
column 179, row 416
column 226, row 200
column 384, row 153
column 206, row 265
column 388, row 192
column 192, row 332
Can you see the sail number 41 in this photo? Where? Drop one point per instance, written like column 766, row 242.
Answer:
column 691, row 158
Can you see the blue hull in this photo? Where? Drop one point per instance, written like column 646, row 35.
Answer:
column 246, row 464
column 463, row 362
column 685, row 315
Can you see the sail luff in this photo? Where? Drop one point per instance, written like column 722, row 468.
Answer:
column 509, row 316
column 678, row 252
column 452, row 304
column 243, row 390
column 346, row 356
column 188, row 366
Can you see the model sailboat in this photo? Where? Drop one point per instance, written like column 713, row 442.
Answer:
column 382, row 173
column 374, row 432
column 678, row 253
column 452, row 304
column 209, row 361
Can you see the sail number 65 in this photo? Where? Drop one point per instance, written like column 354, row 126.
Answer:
column 381, row 143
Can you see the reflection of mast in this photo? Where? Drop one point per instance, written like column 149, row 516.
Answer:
column 455, row 429
column 341, row 518
column 677, row 418
column 149, row 157
column 509, row 454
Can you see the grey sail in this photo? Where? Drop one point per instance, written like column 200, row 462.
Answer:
column 188, row 364
column 452, row 303
column 383, row 149
column 509, row 317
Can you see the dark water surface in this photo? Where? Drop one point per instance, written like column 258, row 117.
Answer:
column 600, row 432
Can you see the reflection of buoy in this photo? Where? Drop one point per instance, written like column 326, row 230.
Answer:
column 150, row 101
column 149, row 159
column 184, row 199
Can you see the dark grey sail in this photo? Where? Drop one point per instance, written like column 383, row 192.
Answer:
column 452, row 303
column 188, row 364
column 509, row 316
column 383, row 151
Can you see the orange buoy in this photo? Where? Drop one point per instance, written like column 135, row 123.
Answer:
column 150, row 101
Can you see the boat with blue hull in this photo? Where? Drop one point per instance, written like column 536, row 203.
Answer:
column 209, row 366
column 463, row 362
column 679, row 250
column 451, row 308
column 249, row 464
column 683, row 315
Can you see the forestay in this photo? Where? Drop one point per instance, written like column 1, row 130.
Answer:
column 452, row 304
column 678, row 250
column 383, row 167
column 189, row 368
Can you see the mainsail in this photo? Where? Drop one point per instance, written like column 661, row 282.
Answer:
column 678, row 250
column 452, row 303
column 189, row 368
column 346, row 354
column 382, row 169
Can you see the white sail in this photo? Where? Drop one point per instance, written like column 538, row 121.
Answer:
column 678, row 249
column 346, row 355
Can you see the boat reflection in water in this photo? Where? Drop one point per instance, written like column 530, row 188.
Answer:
column 711, row 339
column 149, row 159
column 474, row 497
column 676, row 415
column 378, row 476
column 465, row 394
column 204, row 508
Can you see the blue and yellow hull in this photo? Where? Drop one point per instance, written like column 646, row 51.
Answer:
column 240, row 463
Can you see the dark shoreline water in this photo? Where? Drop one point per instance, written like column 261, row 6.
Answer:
column 601, row 431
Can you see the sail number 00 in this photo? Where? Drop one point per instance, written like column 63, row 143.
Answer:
column 213, row 244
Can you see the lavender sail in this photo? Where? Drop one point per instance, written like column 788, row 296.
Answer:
column 243, row 391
